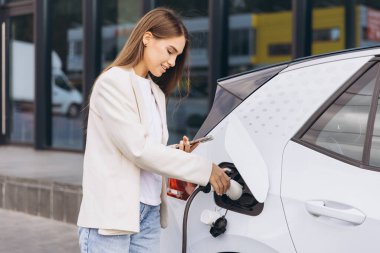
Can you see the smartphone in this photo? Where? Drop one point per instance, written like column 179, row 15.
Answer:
column 202, row 140
column 199, row 140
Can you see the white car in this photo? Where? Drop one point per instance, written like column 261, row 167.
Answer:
column 303, row 140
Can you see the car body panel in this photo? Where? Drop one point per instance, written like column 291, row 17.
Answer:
column 316, row 174
column 244, row 154
column 244, row 231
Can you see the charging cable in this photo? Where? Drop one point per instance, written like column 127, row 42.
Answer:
column 219, row 227
column 205, row 189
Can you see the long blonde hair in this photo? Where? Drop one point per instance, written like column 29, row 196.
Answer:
column 162, row 23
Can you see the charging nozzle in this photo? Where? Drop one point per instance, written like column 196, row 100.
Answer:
column 235, row 191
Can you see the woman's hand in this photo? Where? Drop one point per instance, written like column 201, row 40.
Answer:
column 184, row 145
column 219, row 180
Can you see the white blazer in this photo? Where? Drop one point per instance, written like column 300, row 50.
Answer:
column 118, row 146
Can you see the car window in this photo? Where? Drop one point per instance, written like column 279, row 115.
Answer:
column 62, row 83
column 342, row 127
column 375, row 145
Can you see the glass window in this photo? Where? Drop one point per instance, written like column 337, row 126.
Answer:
column 239, row 42
column 260, row 33
column 342, row 127
column 375, row 146
column 329, row 25
column 66, row 61
column 279, row 49
column 61, row 82
column 328, row 34
column 118, row 19
column 21, row 79
column 186, row 115
column 374, row 159
column 368, row 30
column 328, row 20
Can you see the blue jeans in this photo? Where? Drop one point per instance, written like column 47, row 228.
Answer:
column 147, row 240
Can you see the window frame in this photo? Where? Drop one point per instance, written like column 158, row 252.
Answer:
column 364, row 163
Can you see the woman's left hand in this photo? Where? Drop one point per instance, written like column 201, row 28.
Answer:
column 184, row 145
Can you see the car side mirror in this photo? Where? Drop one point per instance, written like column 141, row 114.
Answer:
column 247, row 158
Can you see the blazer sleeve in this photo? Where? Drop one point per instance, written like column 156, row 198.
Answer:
column 114, row 100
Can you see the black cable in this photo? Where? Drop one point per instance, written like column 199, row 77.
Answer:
column 205, row 189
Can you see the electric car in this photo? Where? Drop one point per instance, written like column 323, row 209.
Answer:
column 302, row 139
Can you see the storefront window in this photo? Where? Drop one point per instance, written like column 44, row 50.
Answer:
column 66, row 75
column 21, row 79
column 118, row 19
column 368, row 29
column 260, row 33
column 186, row 115
column 328, row 25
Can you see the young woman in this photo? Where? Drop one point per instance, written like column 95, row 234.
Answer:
column 126, row 156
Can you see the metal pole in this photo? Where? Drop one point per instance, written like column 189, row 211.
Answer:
column 42, row 38
column 302, row 28
column 217, row 44
column 350, row 24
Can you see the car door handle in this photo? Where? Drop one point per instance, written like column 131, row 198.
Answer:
column 335, row 210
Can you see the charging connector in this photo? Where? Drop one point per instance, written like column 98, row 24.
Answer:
column 219, row 227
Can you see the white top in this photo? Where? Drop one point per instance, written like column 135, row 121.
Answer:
column 150, row 183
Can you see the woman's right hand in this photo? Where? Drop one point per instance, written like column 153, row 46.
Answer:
column 219, row 180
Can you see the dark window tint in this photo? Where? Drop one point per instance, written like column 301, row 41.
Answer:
column 328, row 34
column 61, row 83
column 279, row 49
column 239, row 42
column 342, row 127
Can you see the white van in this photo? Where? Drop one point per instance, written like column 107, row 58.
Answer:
column 66, row 100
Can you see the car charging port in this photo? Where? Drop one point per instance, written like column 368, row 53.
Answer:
column 246, row 204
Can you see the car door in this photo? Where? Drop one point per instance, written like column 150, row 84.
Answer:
column 331, row 176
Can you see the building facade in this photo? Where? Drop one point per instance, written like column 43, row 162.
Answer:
column 53, row 50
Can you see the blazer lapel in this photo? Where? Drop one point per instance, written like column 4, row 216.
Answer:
column 139, row 100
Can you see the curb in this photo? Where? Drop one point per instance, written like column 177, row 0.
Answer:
column 57, row 201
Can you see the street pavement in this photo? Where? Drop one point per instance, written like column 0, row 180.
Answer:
column 20, row 233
